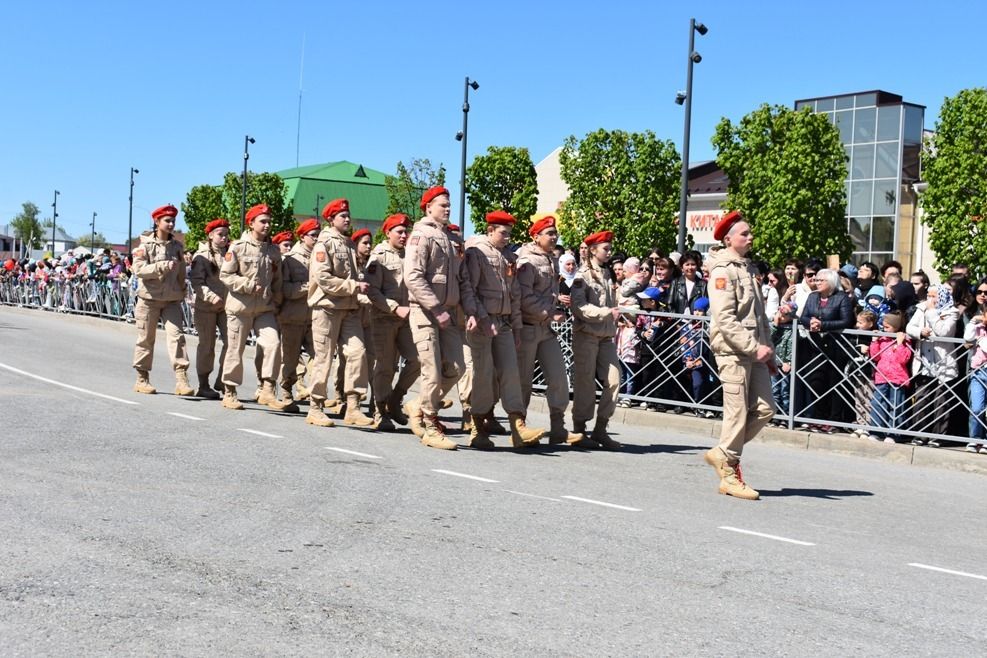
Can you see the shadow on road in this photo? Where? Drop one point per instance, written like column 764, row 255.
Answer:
column 663, row 448
column 828, row 494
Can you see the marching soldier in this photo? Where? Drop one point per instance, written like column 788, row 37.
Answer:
column 210, row 304
column 295, row 316
column 333, row 285
column 362, row 242
column 538, row 280
column 741, row 341
column 160, row 268
column 432, row 274
column 493, row 336
column 594, row 325
column 251, row 272
column 283, row 242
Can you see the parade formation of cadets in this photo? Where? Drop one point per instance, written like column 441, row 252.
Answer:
column 423, row 306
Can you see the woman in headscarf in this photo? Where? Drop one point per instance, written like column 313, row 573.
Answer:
column 567, row 273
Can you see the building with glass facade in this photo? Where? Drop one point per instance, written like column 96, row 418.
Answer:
column 882, row 136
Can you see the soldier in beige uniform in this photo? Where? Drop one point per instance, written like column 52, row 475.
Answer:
column 538, row 280
column 432, row 274
column 333, row 285
column 390, row 330
column 295, row 317
column 741, row 341
column 251, row 272
column 160, row 268
column 494, row 336
column 362, row 243
column 594, row 325
column 210, row 305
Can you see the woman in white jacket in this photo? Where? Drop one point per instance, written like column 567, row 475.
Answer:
column 934, row 367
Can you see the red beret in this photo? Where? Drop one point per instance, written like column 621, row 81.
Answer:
column 359, row 234
column 335, row 207
column 597, row 238
column 164, row 211
column 548, row 221
column 307, row 226
column 256, row 211
column 723, row 226
column 431, row 193
column 215, row 224
column 394, row 221
column 500, row 217
column 283, row 236
column 453, row 227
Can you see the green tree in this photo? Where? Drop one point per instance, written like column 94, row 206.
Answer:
column 622, row 182
column 787, row 173
column 503, row 179
column 955, row 167
column 26, row 226
column 404, row 191
column 91, row 241
column 266, row 188
column 202, row 204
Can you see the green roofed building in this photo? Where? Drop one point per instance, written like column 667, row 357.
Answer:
column 311, row 187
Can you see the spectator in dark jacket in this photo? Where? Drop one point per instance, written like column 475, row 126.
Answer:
column 688, row 287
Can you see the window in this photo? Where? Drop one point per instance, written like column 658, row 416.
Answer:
column 883, row 238
column 864, row 124
column 887, row 122
column 863, row 162
column 861, row 193
column 887, row 160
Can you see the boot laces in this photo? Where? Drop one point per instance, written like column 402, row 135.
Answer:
column 740, row 476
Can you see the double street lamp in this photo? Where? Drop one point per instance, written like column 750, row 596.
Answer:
column 680, row 98
column 54, row 220
column 130, row 218
column 461, row 137
column 92, row 234
column 247, row 141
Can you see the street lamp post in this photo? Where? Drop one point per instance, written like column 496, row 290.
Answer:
column 130, row 217
column 461, row 136
column 92, row 234
column 247, row 141
column 54, row 220
column 694, row 58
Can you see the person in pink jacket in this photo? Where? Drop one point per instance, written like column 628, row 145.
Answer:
column 892, row 357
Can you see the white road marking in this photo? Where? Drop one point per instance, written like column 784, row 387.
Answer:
column 949, row 571
column 766, row 536
column 354, row 452
column 464, row 475
column 185, row 416
column 259, row 433
column 600, row 502
column 521, row 493
column 64, row 385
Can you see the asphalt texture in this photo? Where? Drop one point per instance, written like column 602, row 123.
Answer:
column 127, row 529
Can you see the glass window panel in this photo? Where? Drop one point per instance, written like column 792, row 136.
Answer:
column 860, row 233
column 861, row 193
column 883, row 236
column 849, row 157
column 844, row 121
column 914, row 119
column 801, row 104
column 885, row 197
column 824, row 105
column 858, row 258
column 910, row 162
column 832, row 117
column 863, row 162
column 887, row 160
column 844, row 103
column 863, row 125
column 866, row 100
column 887, row 122
column 881, row 258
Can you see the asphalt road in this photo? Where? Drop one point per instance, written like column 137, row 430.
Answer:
column 159, row 525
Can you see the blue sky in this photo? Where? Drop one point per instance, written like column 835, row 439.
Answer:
column 91, row 89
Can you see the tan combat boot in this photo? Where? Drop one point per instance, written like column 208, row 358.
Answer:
column 434, row 435
column 288, row 402
column 303, row 392
column 354, row 416
column 414, row 411
column 205, row 390
column 716, row 458
column 601, row 436
column 558, row 434
column 316, row 415
column 229, row 398
column 393, row 407
column 182, row 387
column 479, row 439
column 333, row 406
column 143, row 384
column 467, row 424
column 269, row 397
column 734, row 485
column 493, row 427
column 523, row 436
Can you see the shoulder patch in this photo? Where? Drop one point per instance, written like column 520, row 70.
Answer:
column 229, row 255
column 721, row 283
column 320, row 255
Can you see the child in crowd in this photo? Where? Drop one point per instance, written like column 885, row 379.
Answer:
column 892, row 357
column 694, row 355
column 875, row 302
column 628, row 341
column 651, row 330
column 861, row 373
column 781, row 338
column 976, row 335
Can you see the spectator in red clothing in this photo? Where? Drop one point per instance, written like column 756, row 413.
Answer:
column 892, row 358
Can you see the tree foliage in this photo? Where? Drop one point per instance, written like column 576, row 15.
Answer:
column 623, row 182
column 955, row 167
column 503, row 179
column 90, row 241
column 787, row 173
column 266, row 188
column 202, row 204
column 404, row 191
column 26, row 226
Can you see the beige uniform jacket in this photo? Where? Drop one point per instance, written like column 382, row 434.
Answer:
column 333, row 274
column 386, row 279
column 538, row 281
column 247, row 264
column 151, row 262
column 593, row 299
column 738, row 324
column 492, row 276
column 433, row 270
column 294, row 286
column 210, row 293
